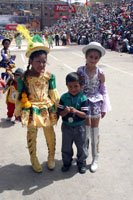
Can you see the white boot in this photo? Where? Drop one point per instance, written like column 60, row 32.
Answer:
column 94, row 165
column 95, row 148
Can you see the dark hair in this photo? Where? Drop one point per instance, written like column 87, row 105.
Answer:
column 25, row 87
column 37, row 53
column 72, row 77
column 89, row 50
column 3, row 42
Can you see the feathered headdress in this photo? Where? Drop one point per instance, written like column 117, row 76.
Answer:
column 35, row 43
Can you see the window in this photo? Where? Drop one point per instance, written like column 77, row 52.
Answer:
column 3, row 5
column 52, row 14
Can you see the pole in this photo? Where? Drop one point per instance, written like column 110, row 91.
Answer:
column 41, row 20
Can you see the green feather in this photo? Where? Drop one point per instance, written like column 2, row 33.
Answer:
column 37, row 38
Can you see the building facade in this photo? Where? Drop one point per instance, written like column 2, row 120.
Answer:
column 41, row 11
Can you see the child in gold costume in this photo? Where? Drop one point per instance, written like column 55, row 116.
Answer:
column 37, row 100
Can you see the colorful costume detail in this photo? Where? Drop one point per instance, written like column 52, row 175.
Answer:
column 7, row 64
column 38, row 109
column 95, row 91
column 98, row 99
column 10, row 98
column 44, row 99
column 18, row 41
column 2, row 86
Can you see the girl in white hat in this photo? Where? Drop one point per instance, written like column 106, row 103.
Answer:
column 93, row 86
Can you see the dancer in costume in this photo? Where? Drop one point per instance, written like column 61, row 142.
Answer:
column 93, row 86
column 11, row 88
column 37, row 99
column 50, row 40
column 7, row 61
column 73, row 107
column 18, row 40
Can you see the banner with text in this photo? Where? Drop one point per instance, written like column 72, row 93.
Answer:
column 64, row 8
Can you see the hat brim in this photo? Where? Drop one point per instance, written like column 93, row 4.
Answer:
column 101, row 49
column 38, row 48
column 16, row 73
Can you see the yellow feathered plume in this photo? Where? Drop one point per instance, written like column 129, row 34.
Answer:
column 25, row 32
column 35, row 43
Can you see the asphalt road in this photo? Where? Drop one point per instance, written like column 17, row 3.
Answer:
column 114, row 178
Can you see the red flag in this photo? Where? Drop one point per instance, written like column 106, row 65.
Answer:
column 86, row 3
column 69, row 10
column 56, row 16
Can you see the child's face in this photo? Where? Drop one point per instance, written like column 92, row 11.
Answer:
column 6, row 44
column 16, row 77
column 39, row 63
column 73, row 87
column 92, row 58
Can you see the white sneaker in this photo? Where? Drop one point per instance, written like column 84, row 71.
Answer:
column 94, row 166
column 9, row 119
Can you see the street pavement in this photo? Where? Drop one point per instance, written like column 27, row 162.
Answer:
column 114, row 178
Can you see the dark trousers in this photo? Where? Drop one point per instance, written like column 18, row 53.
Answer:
column 77, row 135
column 57, row 42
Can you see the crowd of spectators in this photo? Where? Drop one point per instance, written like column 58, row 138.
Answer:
column 110, row 24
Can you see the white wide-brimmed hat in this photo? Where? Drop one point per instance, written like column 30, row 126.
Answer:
column 94, row 45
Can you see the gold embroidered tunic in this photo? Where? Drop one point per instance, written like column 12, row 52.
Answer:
column 43, row 98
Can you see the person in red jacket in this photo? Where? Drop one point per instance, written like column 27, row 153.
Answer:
column 11, row 88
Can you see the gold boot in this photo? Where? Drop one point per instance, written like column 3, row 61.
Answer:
column 31, row 141
column 51, row 162
column 51, row 140
column 35, row 164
